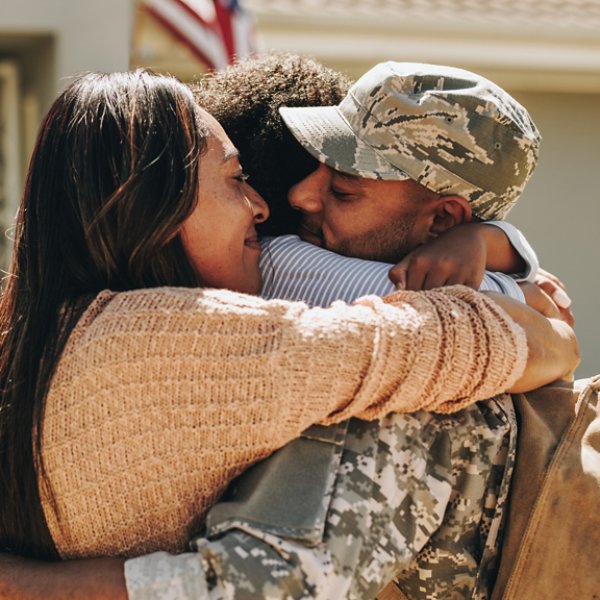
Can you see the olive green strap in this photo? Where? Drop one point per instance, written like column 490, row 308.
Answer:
column 287, row 494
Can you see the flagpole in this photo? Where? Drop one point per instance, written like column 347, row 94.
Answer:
column 135, row 29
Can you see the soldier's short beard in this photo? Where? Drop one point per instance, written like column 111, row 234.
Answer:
column 388, row 244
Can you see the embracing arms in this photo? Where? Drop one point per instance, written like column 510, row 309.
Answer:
column 553, row 351
column 462, row 254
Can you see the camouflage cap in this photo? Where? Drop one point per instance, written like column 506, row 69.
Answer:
column 450, row 130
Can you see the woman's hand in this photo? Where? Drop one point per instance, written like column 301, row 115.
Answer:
column 553, row 347
column 538, row 299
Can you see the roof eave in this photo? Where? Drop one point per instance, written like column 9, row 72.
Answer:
column 549, row 58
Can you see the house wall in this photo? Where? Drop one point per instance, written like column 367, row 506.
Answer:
column 43, row 43
column 560, row 209
column 65, row 38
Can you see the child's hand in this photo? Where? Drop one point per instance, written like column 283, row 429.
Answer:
column 457, row 256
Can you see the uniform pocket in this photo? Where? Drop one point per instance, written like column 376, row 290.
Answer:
column 287, row 494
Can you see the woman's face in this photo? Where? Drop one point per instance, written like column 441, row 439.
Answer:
column 219, row 236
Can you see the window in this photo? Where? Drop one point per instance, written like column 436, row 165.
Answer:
column 10, row 152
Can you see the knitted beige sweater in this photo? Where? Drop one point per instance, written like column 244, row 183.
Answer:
column 163, row 396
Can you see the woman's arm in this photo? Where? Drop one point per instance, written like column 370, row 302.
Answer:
column 556, row 290
column 155, row 384
column 548, row 342
column 553, row 351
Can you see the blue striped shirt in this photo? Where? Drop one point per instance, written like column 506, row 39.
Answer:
column 296, row 270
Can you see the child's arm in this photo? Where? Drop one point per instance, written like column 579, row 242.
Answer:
column 462, row 254
column 518, row 257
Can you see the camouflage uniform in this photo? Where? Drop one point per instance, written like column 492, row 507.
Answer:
column 343, row 510
column 450, row 130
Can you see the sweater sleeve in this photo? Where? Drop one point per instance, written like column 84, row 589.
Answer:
column 438, row 351
column 161, row 397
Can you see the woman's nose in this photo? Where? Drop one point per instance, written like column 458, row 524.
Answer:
column 260, row 209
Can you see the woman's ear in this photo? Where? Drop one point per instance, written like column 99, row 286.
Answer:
column 449, row 211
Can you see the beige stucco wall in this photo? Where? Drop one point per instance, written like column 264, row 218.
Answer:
column 560, row 210
column 49, row 41
column 66, row 37
column 43, row 43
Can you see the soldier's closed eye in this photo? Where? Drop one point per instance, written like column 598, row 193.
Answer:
column 340, row 193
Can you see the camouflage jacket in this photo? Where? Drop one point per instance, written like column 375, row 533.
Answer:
column 344, row 510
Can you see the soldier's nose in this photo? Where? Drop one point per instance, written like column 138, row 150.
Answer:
column 307, row 195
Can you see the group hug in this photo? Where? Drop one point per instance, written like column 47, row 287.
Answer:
column 271, row 336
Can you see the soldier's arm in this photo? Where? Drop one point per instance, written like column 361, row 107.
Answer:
column 380, row 516
column 391, row 495
column 90, row 579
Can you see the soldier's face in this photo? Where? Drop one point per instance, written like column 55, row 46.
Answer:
column 365, row 218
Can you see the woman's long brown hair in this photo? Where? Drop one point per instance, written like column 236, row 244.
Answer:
column 113, row 175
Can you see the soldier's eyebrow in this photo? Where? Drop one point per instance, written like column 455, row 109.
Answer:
column 354, row 179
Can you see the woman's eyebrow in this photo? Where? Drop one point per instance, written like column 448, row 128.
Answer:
column 231, row 153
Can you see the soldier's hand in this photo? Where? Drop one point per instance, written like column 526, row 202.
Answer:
column 557, row 291
column 537, row 298
column 86, row 579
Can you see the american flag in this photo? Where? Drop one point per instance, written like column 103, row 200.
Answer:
column 216, row 31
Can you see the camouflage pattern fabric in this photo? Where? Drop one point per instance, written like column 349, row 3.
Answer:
column 419, row 496
column 451, row 130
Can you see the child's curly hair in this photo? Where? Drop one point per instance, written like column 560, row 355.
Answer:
column 245, row 99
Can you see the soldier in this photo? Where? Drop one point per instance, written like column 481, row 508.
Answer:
column 410, row 153
column 384, row 515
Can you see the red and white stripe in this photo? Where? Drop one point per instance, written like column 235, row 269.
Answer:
column 216, row 31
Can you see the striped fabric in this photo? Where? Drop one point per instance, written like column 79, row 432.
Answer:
column 216, row 31
column 296, row 270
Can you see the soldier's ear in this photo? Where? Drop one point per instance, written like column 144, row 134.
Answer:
column 449, row 212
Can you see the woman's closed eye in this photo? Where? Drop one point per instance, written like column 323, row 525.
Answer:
column 241, row 177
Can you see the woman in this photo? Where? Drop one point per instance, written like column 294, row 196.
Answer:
column 131, row 403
